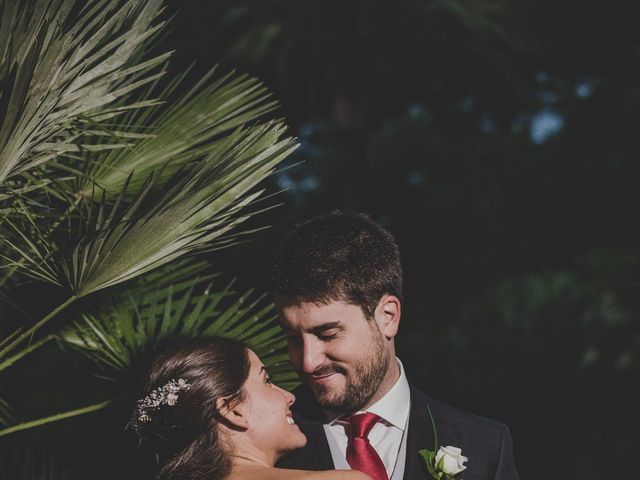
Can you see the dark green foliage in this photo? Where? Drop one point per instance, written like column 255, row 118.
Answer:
column 520, row 245
column 30, row 465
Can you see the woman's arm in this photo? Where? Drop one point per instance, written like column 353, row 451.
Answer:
column 324, row 475
column 342, row 475
column 265, row 473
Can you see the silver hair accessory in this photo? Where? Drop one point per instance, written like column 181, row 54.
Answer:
column 165, row 395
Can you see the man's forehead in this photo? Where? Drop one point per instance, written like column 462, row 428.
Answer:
column 308, row 315
column 283, row 301
column 307, row 306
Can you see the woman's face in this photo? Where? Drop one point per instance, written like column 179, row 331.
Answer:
column 268, row 411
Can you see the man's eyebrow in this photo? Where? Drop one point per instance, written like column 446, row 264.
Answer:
column 318, row 328
column 325, row 326
column 263, row 369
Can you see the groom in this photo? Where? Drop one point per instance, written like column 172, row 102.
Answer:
column 338, row 290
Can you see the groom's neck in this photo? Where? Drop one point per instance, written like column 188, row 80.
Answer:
column 389, row 380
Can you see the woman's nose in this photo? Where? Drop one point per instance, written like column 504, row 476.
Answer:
column 290, row 397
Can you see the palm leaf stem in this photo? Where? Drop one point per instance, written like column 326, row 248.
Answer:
column 34, row 346
column 11, row 336
column 6, row 413
column 57, row 417
column 29, row 332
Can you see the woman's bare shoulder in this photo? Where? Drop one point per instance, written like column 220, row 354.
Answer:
column 285, row 474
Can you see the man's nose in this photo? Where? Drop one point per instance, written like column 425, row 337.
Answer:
column 312, row 355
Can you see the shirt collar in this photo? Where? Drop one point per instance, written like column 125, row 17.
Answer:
column 395, row 405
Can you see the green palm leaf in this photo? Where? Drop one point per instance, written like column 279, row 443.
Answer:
column 126, row 335
column 167, row 138
column 123, row 337
column 101, row 183
column 56, row 68
column 196, row 213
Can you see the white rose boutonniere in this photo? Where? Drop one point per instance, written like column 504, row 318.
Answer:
column 450, row 461
column 447, row 463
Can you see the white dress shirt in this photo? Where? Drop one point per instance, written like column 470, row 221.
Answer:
column 388, row 437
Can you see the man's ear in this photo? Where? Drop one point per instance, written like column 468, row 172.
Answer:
column 388, row 314
column 233, row 413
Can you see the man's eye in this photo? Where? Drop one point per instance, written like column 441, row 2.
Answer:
column 327, row 335
column 267, row 379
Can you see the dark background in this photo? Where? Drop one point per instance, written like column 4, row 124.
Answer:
column 498, row 141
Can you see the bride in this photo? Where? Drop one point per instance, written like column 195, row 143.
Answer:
column 211, row 412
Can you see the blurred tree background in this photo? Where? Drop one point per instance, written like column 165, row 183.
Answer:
column 497, row 141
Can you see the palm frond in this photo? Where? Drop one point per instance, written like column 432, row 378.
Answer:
column 80, row 121
column 168, row 137
column 198, row 209
column 42, row 211
column 58, row 66
column 25, row 245
column 134, row 327
column 176, row 275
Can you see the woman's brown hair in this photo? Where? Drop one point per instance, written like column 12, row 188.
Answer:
column 185, row 434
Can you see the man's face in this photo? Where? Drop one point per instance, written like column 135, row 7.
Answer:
column 341, row 355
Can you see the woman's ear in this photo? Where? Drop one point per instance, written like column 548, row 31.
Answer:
column 233, row 412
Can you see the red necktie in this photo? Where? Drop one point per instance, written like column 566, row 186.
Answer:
column 360, row 454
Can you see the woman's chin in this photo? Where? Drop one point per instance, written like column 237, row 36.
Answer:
column 303, row 442
column 300, row 439
column 296, row 441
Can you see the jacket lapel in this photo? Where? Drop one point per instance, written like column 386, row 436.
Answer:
column 317, row 449
column 420, row 436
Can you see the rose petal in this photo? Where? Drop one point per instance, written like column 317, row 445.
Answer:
column 450, row 465
column 449, row 460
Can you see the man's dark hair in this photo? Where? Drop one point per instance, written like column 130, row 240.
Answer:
column 338, row 256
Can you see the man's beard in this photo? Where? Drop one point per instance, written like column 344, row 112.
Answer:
column 367, row 375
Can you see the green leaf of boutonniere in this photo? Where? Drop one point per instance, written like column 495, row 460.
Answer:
column 429, row 459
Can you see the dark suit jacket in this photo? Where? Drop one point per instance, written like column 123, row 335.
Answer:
column 485, row 442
